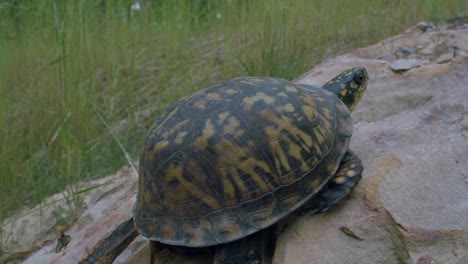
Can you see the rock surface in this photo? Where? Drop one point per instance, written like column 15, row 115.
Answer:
column 404, row 64
column 411, row 132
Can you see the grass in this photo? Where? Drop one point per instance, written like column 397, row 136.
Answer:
column 82, row 81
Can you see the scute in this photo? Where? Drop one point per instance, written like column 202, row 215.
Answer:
column 235, row 158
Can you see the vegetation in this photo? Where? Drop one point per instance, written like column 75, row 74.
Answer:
column 78, row 77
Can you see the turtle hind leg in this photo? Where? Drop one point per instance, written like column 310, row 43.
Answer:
column 348, row 175
column 109, row 248
column 156, row 248
column 257, row 248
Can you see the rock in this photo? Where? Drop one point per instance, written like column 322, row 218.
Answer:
column 460, row 40
column 445, row 57
column 429, row 49
column 404, row 64
column 423, row 26
column 368, row 239
column 404, row 52
column 427, row 71
column 411, row 206
column 109, row 201
column 455, row 22
column 463, row 259
column 411, row 132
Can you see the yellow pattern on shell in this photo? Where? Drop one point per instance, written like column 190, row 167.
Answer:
column 200, row 143
column 177, row 173
column 175, row 128
column 200, row 104
column 232, row 126
column 180, row 137
column 222, row 117
column 292, row 89
column 260, row 96
column 288, row 108
column 247, row 167
column 213, row 96
column 161, row 145
column 295, row 151
column 231, row 91
column 209, row 129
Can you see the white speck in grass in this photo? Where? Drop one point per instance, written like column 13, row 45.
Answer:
column 136, row 6
column 218, row 16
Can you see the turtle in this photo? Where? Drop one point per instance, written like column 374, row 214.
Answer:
column 224, row 169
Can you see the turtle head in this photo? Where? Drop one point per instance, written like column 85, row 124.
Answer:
column 349, row 86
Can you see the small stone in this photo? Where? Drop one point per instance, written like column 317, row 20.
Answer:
column 455, row 22
column 404, row 51
column 404, row 64
column 423, row 26
column 429, row 49
column 445, row 58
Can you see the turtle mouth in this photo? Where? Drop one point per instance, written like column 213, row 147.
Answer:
column 360, row 78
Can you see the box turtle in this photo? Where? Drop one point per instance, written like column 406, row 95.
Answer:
column 222, row 167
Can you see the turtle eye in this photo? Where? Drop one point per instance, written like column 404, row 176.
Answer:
column 359, row 78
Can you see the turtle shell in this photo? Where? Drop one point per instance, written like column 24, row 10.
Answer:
column 235, row 158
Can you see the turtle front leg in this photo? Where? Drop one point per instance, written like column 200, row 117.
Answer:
column 257, row 248
column 348, row 175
